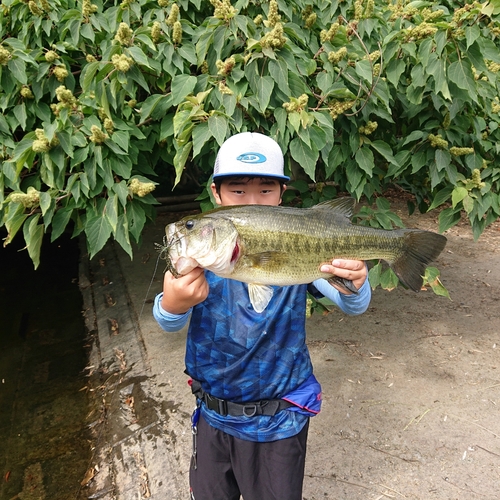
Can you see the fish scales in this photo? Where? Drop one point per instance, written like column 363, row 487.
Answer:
column 300, row 240
column 334, row 237
column 264, row 245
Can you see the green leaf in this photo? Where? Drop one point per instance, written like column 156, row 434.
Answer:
column 87, row 76
column 413, row 136
column 4, row 126
column 436, row 68
column 415, row 94
column 374, row 275
column 59, row 222
column 418, row 160
column 23, row 149
column 121, row 138
column 87, row 32
column 279, row 71
column 365, row 161
column 388, row 279
column 448, row 218
column 294, row 120
column 180, row 159
column 33, row 236
column 98, row 231
column 431, row 278
column 136, row 219
column 121, row 191
column 489, row 49
column 443, row 159
column 441, row 197
column 111, row 211
column 45, row 201
column 182, row 85
column 394, row 70
column 14, row 220
column 297, row 84
column 229, row 102
column 324, row 81
column 135, row 74
column 18, row 69
column 301, row 186
column 149, row 105
column 138, row 56
column 305, row 156
column 122, row 235
column 472, row 33
column 364, row 70
column 476, row 57
column 20, row 114
column 460, row 73
column 265, row 86
column 188, row 53
column 468, row 204
column 385, row 150
column 218, row 126
column 113, row 146
column 457, row 195
column 65, row 142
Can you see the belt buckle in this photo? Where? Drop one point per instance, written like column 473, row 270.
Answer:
column 222, row 407
column 216, row 404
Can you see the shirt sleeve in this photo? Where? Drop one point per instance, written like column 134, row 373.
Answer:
column 350, row 304
column 168, row 321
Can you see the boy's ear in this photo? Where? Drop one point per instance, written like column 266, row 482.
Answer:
column 215, row 193
column 283, row 189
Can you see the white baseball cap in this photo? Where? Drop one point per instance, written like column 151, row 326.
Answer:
column 250, row 154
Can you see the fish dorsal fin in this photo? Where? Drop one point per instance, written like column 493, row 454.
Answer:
column 342, row 206
column 260, row 296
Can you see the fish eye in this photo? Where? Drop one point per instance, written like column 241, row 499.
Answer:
column 189, row 224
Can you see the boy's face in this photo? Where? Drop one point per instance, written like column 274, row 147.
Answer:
column 248, row 191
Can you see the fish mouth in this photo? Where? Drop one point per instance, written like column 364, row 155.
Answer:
column 179, row 262
column 174, row 243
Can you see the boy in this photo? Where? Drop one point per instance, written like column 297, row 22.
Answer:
column 248, row 368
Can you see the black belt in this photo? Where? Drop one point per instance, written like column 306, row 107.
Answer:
column 223, row 407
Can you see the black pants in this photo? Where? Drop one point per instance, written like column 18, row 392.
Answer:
column 228, row 467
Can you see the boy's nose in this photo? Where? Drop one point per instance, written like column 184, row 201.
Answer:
column 251, row 199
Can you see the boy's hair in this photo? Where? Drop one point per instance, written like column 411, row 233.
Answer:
column 271, row 180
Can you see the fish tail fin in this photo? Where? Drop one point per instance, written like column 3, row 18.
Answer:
column 419, row 249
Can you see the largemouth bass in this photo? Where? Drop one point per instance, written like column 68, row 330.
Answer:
column 274, row 245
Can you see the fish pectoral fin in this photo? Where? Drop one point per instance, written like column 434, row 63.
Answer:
column 260, row 296
column 264, row 259
column 344, row 284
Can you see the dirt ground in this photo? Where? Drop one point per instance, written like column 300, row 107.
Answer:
column 411, row 388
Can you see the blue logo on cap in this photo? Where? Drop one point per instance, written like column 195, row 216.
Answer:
column 252, row 158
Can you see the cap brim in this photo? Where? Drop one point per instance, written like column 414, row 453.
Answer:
column 251, row 174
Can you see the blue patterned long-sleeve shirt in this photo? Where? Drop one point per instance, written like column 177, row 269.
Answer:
column 240, row 355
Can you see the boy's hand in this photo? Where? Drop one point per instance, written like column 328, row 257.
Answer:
column 353, row 270
column 180, row 294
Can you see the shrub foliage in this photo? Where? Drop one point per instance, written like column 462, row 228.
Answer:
column 98, row 98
